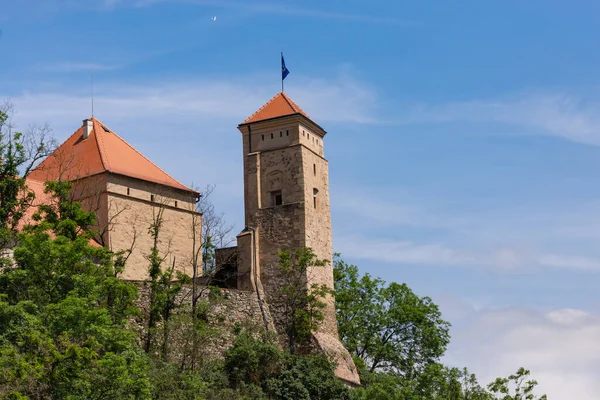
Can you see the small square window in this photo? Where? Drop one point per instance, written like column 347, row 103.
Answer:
column 151, row 197
column 276, row 198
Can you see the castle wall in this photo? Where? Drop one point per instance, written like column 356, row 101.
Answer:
column 287, row 206
column 130, row 217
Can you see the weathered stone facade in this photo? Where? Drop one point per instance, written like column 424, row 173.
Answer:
column 126, row 207
column 286, row 198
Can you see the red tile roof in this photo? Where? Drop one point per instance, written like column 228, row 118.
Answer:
column 279, row 106
column 102, row 151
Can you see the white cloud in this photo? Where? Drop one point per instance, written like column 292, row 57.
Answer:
column 277, row 8
column 559, row 346
column 518, row 240
column 518, row 259
column 341, row 99
column 77, row 67
column 555, row 114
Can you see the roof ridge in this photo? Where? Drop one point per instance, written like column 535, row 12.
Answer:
column 101, row 148
column 290, row 102
column 262, row 108
column 53, row 154
column 147, row 159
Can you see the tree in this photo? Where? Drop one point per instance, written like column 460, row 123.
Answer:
column 18, row 154
column 255, row 364
column 523, row 387
column 388, row 326
column 165, row 285
column 216, row 233
column 302, row 304
column 63, row 313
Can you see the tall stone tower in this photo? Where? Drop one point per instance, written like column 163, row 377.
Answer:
column 286, row 197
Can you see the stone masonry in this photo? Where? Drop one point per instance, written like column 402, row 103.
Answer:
column 286, row 198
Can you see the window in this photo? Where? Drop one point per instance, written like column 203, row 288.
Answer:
column 175, row 203
column 128, row 191
column 263, row 137
column 308, row 136
column 287, row 133
column 302, row 133
column 271, row 136
column 315, row 169
column 151, row 197
column 280, row 133
column 276, row 198
column 315, row 193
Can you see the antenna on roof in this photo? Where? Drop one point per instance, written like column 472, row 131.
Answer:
column 92, row 79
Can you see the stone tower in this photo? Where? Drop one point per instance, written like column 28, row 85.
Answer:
column 286, row 198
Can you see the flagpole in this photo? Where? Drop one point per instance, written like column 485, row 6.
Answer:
column 282, row 74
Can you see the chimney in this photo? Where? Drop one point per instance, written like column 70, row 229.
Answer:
column 88, row 125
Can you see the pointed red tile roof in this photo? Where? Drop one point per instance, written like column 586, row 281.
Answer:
column 279, row 106
column 102, row 151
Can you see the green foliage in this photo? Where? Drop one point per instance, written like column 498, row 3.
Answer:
column 164, row 289
column 307, row 378
column 14, row 196
column 171, row 383
column 388, row 326
column 258, row 365
column 252, row 361
column 523, row 387
column 63, row 314
column 303, row 306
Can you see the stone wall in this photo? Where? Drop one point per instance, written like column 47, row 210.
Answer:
column 284, row 157
column 230, row 309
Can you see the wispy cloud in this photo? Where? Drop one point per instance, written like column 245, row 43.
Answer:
column 278, row 8
column 77, row 67
column 413, row 231
column 407, row 252
column 339, row 99
column 555, row 114
column 559, row 346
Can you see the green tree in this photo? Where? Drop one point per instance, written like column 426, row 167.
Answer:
column 387, row 326
column 63, row 313
column 256, row 365
column 302, row 304
column 164, row 288
column 18, row 154
column 521, row 384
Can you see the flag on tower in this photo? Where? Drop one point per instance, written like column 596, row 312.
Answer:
column 284, row 71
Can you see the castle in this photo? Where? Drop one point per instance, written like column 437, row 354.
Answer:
column 286, row 203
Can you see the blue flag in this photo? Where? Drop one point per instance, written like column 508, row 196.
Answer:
column 284, row 71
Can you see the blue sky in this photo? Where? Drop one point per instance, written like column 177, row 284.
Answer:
column 463, row 140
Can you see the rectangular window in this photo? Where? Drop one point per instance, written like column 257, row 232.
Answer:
column 276, row 198
column 287, row 133
column 271, row 136
column 175, row 203
column 151, row 197
column 263, row 137
column 280, row 133
column 128, row 191
column 315, row 169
